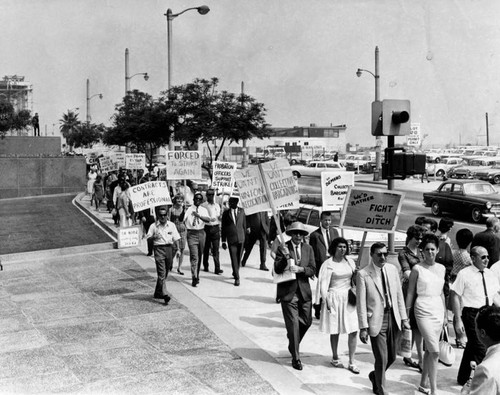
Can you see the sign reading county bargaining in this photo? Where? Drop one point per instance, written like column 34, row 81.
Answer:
column 223, row 176
column 135, row 161
column 414, row 137
column 183, row 165
column 129, row 237
column 149, row 194
column 107, row 164
column 334, row 188
column 279, row 179
column 371, row 209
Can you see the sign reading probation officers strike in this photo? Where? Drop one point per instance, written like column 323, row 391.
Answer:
column 369, row 209
column 183, row 165
column 279, row 179
column 149, row 195
column 223, row 176
column 334, row 188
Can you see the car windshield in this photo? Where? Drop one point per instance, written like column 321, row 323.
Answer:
column 479, row 189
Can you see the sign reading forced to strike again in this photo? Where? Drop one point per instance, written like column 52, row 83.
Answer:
column 150, row 194
column 183, row 165
column 252, row 187
column 370, row 209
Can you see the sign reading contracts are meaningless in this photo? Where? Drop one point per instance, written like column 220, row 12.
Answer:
column 183, row 165
column 223, row 176
column 278, row 178
column 129, row 237
column 150, row 194
column 135, row 161
column 370, row 209
column 334, row 188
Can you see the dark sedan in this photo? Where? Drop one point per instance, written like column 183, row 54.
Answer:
column 476, row 199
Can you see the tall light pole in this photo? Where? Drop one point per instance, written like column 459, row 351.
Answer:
column 202, row 10
column 127, row 77
column 89, row 98
column 378, row 141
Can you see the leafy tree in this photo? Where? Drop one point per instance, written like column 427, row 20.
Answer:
column 80, row 134
column 12, row 120
column 212, row 117
column 142, row 124
column 69, row 124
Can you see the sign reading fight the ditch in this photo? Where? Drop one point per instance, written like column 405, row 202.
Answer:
column 184, row 165
column 149, row 194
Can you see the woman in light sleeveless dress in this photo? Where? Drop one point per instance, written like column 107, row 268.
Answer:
column 337, row 315
column 425, row 296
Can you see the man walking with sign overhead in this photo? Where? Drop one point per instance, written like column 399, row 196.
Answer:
column 295, row 295
column 381, row 312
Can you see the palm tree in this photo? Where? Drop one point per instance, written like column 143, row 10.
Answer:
column 69, row 124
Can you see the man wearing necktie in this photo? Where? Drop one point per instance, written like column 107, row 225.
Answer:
column 295, row 295
column 475, row 286
column 381, row 312
column 320, row 241
column 233, row 226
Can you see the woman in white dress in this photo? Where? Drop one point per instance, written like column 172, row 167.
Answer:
column 425, row 295
column 337, row 315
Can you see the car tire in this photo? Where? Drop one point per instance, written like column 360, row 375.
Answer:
column 440, row 173
column 436, row 208
column 496, row 179
column 296, row 173
column 437, row 160
column 476, row 215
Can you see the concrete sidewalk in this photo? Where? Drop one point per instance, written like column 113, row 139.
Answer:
column 215, row 338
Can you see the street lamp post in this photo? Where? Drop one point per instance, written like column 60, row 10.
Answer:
column 127, row 77
column 202, row 10
column 89, row 98
column 378, row 148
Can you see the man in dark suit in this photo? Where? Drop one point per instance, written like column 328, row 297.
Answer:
column 381, row 312
column 257, row 229
column 233, row 227
column 320, row 240
column 295, row 295
column 489, row 240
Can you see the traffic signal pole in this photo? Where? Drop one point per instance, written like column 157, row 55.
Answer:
column 390, row 187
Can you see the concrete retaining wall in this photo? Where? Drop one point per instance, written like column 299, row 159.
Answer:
column 30, row 146
column 28, row 176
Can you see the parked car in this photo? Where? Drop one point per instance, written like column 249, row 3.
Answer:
column 492, row 174
column 356, row 162
column 477, row 199
column 441, row 169
column 315, row 168
column 473, row 166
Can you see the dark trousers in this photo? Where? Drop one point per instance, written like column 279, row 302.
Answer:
column 474, row 350
column 212, row 240
column 163, row 261
column 298, row 319
column 384, row 347
column 250, row 240
column 235, row 251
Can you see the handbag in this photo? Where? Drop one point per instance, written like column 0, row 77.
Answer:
column 351, row 294
column 405, row 344
column 287, row 275
column 446, row 351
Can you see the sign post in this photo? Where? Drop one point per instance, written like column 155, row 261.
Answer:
column 414, row 138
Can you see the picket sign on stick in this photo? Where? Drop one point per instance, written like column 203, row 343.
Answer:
column 361, row 249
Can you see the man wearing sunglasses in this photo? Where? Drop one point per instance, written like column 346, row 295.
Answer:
column 381, row 312
column 164, row 236
column 475, row 286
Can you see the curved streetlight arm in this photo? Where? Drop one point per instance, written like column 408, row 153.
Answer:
column 201, row 10
column 360, row 71
column 97, row 94
column 146, row 76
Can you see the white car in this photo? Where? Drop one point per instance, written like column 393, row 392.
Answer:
column 316, row 167
column 441, row 169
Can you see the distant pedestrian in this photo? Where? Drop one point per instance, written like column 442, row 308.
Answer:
column 36, row 125
column 257, row 230
column 98, row 192
column 165, row 237
column 233, row 226
column 489, row 239
column 123, row 206
column 212, row 232
column 336, row 157
column 296, row 295
column 177, row 213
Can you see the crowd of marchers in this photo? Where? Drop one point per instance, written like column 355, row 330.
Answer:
column 434, row 279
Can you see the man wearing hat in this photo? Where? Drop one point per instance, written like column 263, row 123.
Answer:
column 295, row 295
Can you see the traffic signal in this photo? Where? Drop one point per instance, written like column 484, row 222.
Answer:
column 399, row 165
column 391, row 118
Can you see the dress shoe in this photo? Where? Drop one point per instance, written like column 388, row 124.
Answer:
column 236, row 283
column 166, row 299
column 296, row 364
column 179, row 271
column 264, row 267
column 194, row 282
column 243, row 264
column 205, row 269
column 150, row 253
column 219, row 271
column 371, row 376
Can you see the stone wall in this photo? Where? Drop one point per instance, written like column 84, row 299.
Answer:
column 30, row 146
column 34, row 176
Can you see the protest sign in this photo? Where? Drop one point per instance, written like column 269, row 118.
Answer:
column 282, row 185
column 371, row 209
column 183, row 165
column 119, row 158
column 135, row 161
column 107, row 164
column 129, row 237
column 253, row 196
column 223, row 176
column 149, row 194
column 334, row 188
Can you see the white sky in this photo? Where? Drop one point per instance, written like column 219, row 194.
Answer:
column 298, row 57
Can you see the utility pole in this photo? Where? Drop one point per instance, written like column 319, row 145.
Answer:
column 487, row 131
column 244, row 162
